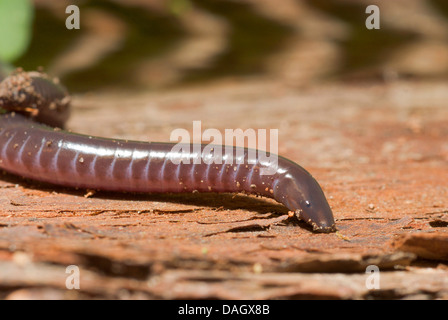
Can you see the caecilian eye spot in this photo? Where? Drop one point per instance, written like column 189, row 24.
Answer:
column 308, row 204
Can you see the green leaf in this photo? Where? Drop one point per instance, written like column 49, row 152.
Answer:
column 16, row 17
column 178, row 7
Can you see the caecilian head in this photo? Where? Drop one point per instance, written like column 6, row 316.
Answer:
column 314, row 208
column 303, row 195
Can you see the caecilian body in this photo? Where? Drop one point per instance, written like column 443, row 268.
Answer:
column 32, row 145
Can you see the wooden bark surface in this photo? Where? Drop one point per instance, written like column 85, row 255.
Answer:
column 380, row 152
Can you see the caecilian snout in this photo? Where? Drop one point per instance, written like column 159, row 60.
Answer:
column 321, row 219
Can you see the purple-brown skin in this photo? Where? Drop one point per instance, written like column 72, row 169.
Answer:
column 41, row 152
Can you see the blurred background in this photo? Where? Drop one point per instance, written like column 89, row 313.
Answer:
column 153, row 44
